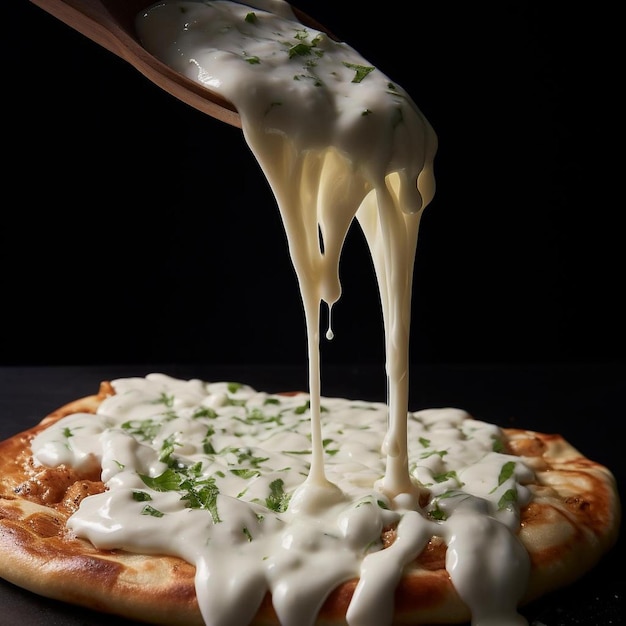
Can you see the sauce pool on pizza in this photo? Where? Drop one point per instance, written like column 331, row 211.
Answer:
column 189, row 502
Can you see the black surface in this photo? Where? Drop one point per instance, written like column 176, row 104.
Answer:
column 585, row 403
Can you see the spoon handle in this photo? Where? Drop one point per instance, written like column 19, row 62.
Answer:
column 93, row 19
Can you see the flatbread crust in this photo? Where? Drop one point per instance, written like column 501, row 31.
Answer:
column 571, row 522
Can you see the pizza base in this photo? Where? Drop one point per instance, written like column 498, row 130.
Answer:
column 571, row 522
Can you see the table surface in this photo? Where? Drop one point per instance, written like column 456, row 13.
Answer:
column 583, row 402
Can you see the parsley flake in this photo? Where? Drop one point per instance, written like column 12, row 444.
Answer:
column 361, row 71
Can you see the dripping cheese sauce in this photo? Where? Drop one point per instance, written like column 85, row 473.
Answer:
column 291, row 494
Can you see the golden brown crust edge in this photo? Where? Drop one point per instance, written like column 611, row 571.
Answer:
column 571, row 523
column 37, row 553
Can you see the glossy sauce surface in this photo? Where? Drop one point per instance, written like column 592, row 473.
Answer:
column 214, row 473
column 294, row 500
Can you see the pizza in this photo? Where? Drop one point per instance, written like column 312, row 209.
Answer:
column 187, row 502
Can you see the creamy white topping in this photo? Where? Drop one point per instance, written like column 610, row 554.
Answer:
column 285, row 494
column 212, row 473
column 336, row 139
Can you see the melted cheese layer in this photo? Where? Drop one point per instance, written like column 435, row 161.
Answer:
column 212, row 472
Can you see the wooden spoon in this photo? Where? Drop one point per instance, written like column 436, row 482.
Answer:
column 111, row 24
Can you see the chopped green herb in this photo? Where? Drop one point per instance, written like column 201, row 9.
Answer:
column 169, row 480
column 195, row 469
column 145, row 430
column 167, row 448
column 235, row 402
column 361, row 71
column 150, row 510
column 168, row 401
column 204, row 412
column 441, row 453
column 508, row 498
column 498, row 445
column 440, row 478
column 141, row 496
column 303, row 408
column 506, row 471
column 299, row 49
column 202, row 495
column 256, row 415
column 245, row 473
column 437, row 513
column 278, row 500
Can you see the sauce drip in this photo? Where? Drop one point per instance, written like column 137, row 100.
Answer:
column 336, row 140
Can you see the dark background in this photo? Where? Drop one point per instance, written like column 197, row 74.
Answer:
column 136, row 229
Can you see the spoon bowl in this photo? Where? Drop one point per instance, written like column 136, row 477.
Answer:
column 111, row 24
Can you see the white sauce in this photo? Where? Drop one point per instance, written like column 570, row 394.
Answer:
column 221, row 462
column 337, row 140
